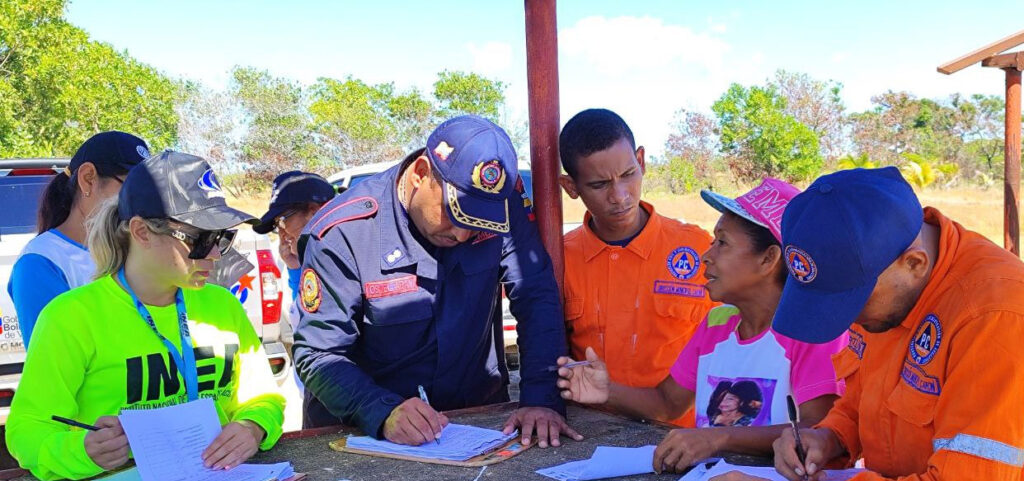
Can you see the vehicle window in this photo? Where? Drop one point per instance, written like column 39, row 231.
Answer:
column 20, row 197
column 357, row 179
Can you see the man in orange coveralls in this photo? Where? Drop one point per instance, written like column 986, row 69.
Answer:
column 634, row 279
column 934, row 371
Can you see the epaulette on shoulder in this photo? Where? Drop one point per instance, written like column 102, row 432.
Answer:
column 352, row 209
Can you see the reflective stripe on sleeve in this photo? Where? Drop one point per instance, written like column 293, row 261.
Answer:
column 981, row 447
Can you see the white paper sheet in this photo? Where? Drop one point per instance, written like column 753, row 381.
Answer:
column 606, row 462
column 458, row 442
column 168, row 444
column 765, row 472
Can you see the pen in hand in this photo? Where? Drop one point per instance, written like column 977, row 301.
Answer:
column 72, row 422
column 568, row 365
column 423, row 397
column 800, row 454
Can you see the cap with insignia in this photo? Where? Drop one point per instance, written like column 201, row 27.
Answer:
column 477, row 164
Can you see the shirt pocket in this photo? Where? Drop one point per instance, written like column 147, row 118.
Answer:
column 912, row 407
column 663, row 336
column 396, row 326
column 581, row 324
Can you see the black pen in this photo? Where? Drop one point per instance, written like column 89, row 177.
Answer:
column 800, row 454
column 72, row 422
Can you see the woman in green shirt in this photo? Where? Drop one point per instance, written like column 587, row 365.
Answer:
column 115, row 343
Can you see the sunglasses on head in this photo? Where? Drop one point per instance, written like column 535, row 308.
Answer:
column 200, row 245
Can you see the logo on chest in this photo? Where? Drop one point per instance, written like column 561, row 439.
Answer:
column 856, row 343
column 683, row 263
column 926, row 340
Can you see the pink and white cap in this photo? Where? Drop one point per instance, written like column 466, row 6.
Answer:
column 763, row 206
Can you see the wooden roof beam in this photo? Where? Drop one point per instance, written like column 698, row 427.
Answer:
column 1014, row 60
column 982, row 53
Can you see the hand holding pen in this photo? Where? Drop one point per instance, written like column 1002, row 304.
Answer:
column 801, row 453
column 586, row 381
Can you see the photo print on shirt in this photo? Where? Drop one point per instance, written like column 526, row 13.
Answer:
column 742, row 401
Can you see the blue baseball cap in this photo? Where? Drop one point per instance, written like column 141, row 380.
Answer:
column 110, row 152
column 292, row 188
column 477, row 164
column 839, row 235
column 183, row 187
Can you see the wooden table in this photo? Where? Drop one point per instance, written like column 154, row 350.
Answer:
column 309, row 453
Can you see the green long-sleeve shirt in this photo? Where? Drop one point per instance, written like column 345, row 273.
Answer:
column 93, row 355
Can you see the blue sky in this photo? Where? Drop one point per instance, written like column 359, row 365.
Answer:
column 643, row 59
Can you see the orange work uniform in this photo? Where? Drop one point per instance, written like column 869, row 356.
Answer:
column 637, row 305
column 941, row 396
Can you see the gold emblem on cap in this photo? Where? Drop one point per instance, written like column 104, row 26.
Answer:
column 443, row 150
column 489, row 176
column 464, row 218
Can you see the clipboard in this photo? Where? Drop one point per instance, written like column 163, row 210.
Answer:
column 511, row 448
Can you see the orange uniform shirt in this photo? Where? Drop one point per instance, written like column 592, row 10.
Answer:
column 637, row 305
column 941, row 397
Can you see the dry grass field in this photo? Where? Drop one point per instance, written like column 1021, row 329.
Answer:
column 979, row 210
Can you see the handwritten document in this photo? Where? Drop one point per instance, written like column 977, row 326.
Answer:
column 606, row 462
column 458, row 442
column 701, row 473
column 168, row 444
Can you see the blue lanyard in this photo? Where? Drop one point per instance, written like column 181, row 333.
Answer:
column 186, row 359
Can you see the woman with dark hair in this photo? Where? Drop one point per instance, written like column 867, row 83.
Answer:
column 734, row 404
column 57, row 260
column 155, row 247
column 735, row 365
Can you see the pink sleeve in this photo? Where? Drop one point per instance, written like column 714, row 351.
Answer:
column 812, row 373
column 684, row 370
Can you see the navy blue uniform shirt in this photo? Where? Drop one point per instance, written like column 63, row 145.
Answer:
column 382, row 312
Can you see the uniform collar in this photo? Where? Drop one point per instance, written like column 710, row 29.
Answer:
column 642, row 245
column 949, row 241
column 398, row 247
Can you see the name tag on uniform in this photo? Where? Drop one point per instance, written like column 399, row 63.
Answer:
column 390, row 287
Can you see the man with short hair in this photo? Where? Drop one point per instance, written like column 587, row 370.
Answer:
column 634, row 282
column 934, row 375
column 400, row 287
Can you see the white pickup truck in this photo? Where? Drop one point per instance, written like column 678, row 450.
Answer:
column 254, row 280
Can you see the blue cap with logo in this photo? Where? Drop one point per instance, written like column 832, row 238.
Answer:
column 110, row 152
column 839, row 235
column 291, row 189
column 476, row 160
column 178, row 186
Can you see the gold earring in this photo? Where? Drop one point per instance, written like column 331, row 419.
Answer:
column 87, row 194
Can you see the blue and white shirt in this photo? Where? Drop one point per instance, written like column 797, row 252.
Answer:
column 49, row 265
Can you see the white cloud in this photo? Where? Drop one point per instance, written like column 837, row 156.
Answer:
column 491, row 58
column 615, row 46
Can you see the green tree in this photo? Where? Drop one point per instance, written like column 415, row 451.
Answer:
column 369, row 123
column 693, row 141
column 761, row 139
column 279, row 129
column 58, row 87
column 816, row 104
column 460, row 93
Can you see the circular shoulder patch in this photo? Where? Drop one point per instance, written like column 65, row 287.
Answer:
column 926, row 340
column 311, row 291
column 800, row 265
column 683, row 263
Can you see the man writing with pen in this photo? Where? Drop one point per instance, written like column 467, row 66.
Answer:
column 400, row 289
column 935, row 316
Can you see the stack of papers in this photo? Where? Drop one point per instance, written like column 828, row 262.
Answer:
column 606, row 462
column 168, row 445
column 458, row 443
column 702, row 473
column 254, row 472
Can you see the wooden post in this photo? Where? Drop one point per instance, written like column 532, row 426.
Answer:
column 542, row 82
column 1011, row 161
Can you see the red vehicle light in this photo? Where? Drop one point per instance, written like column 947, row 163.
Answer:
column 270, row 293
